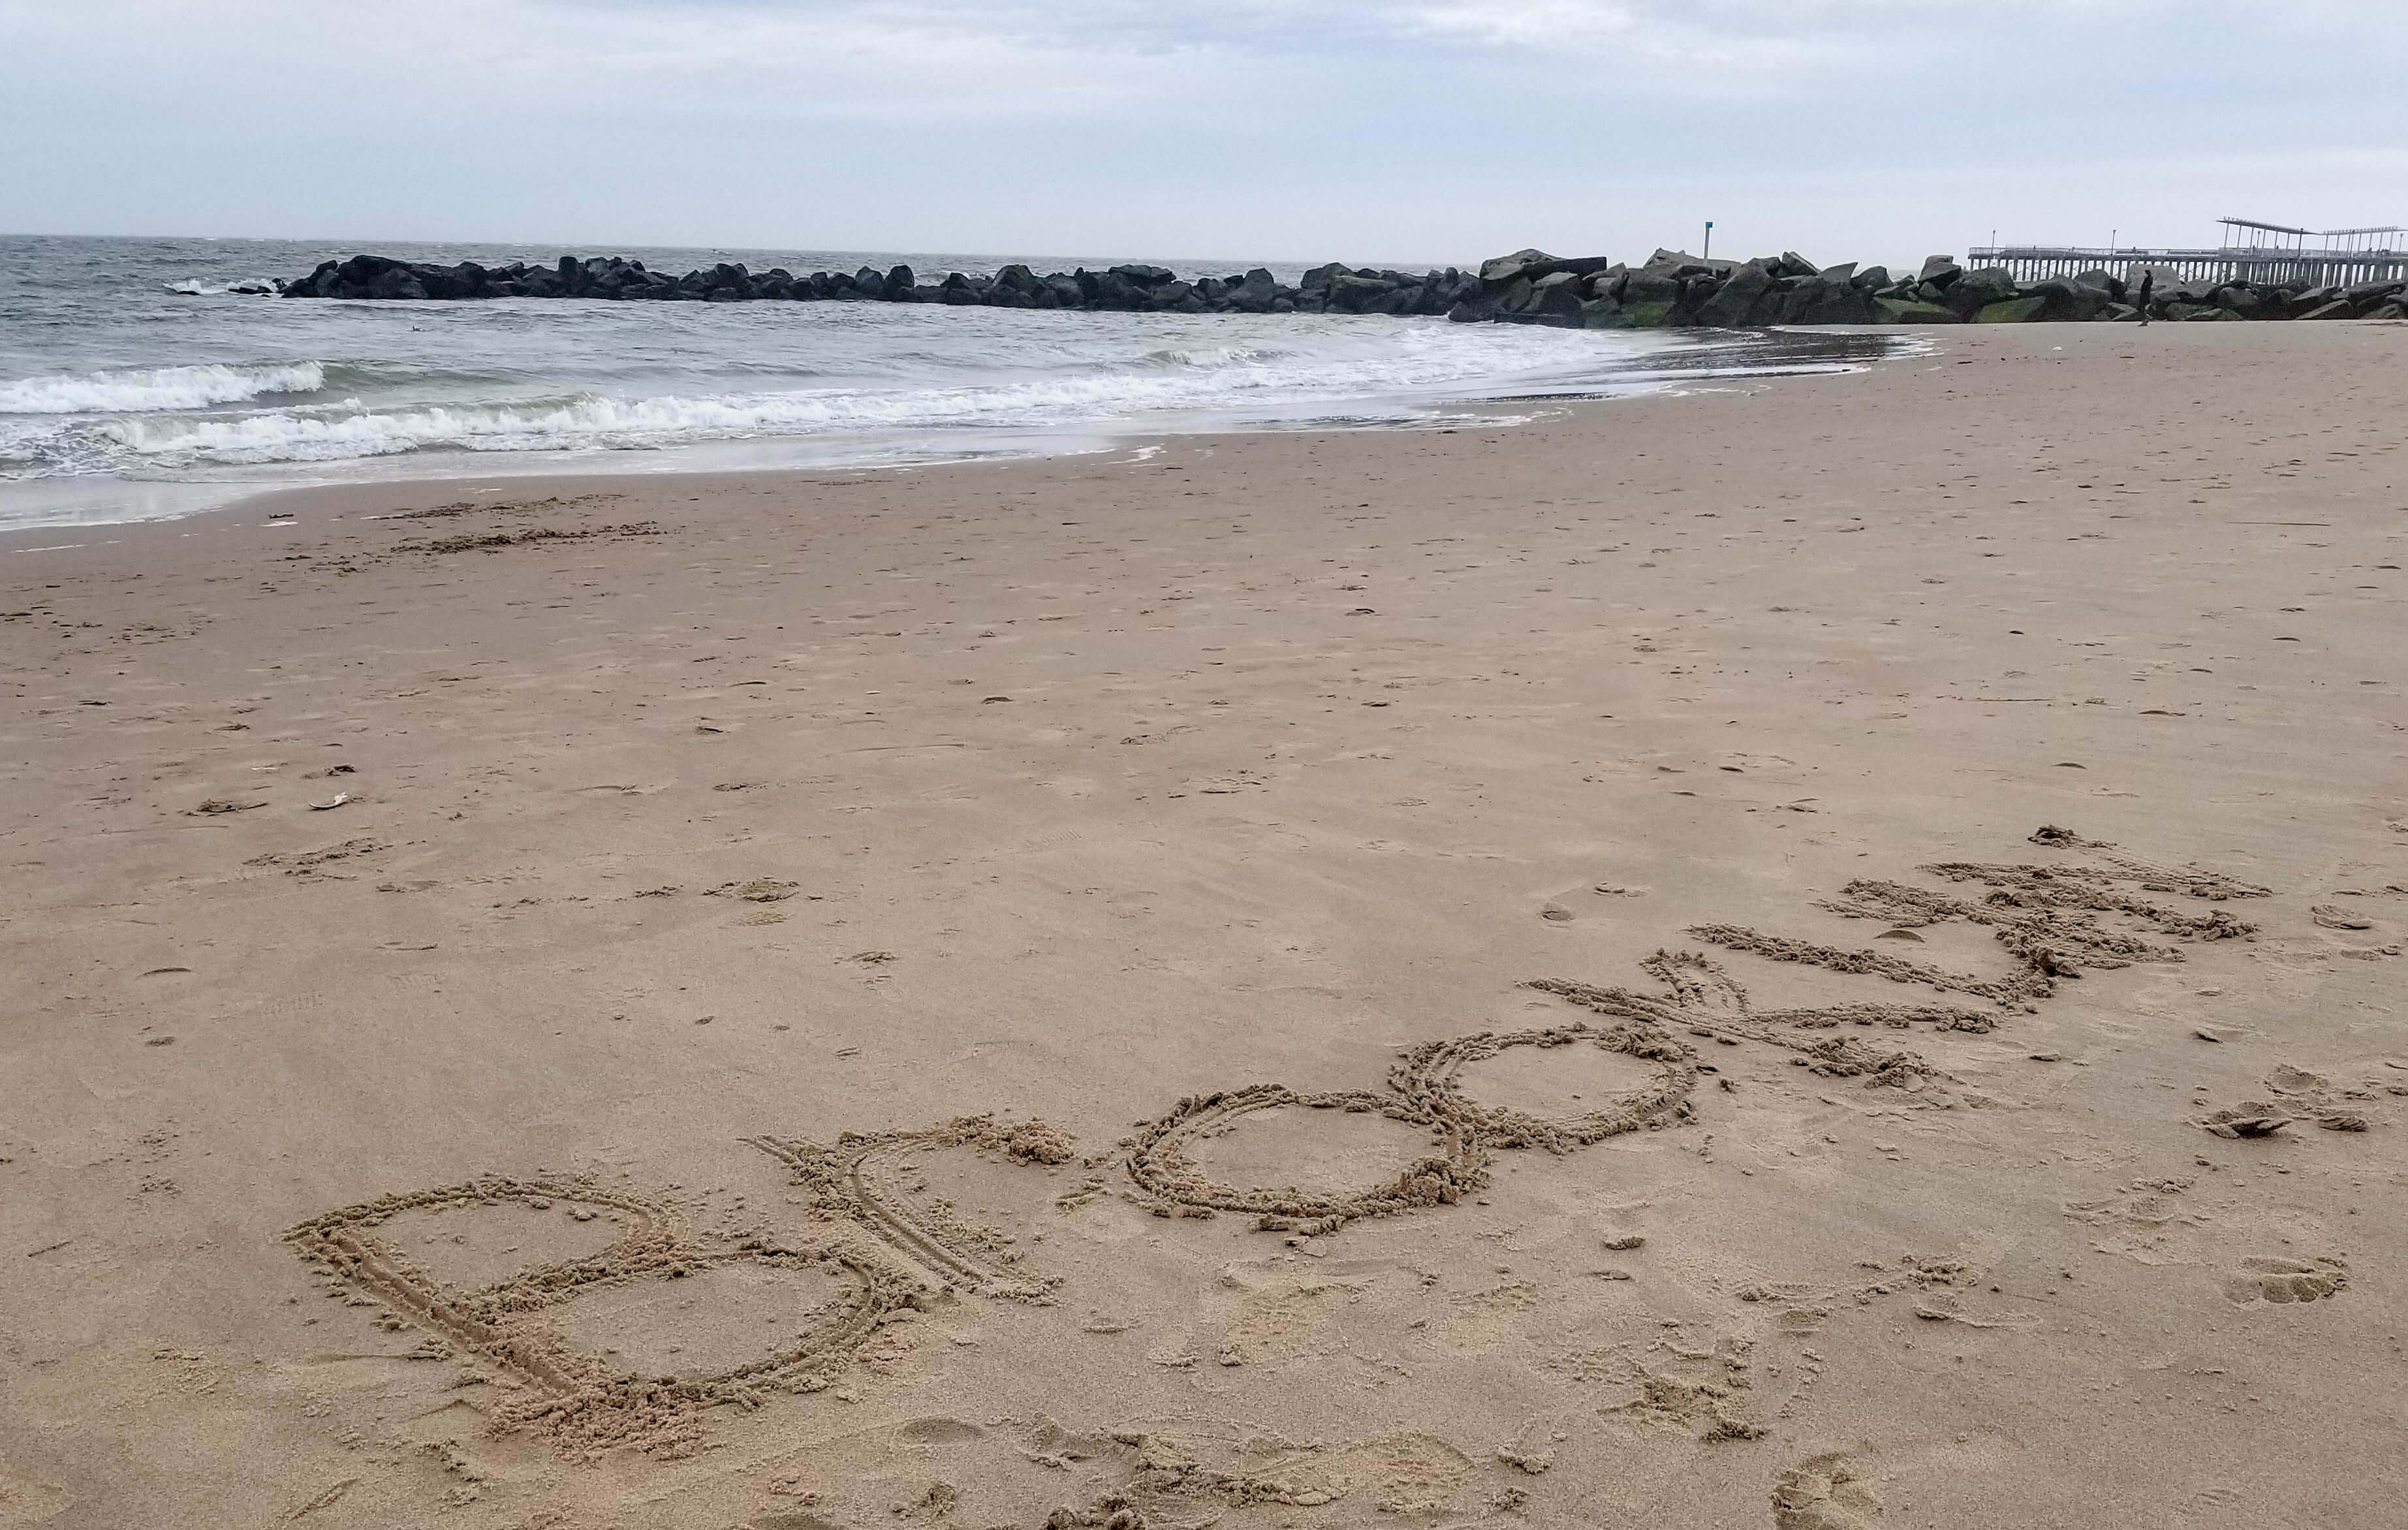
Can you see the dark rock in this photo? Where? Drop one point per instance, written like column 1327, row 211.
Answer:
column 2011, row 310
column 1349, row 292
column 1734, row 304
column 397, row 282
column 2069, row 299
column 1893, row 310
column 1558, row 297
column 1504, row 268
column 1255, row 294
column 2100, row 281
column 1679, row 263
column 1975, row 290
column 2239, row 298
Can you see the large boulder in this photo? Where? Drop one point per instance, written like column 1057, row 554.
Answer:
column 1256, row 292
column 1558, row 297
column 1941, row 270
column 1821, row 300
column 1976, row 289
column 1895, row 310
column 1675, row 262
column 1504, row 268
column 2062, row 298
column 2012, row 310
column 320, row 282
column 1648, row 285
column 2241, row 298
column 2097, row 278
column 398, row 282
column 1349, row 292
column 1734, row 303
column 2367, row 297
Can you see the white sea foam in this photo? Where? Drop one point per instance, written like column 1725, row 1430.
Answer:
column 157, row 388
column 1237, row 381
column 247, row 287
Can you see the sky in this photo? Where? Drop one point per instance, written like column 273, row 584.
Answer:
column 1371, row 131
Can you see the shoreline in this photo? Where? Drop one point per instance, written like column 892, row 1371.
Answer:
column 535, row 887
column 1743, row 357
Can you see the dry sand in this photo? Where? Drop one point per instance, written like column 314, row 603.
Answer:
column 441, row 977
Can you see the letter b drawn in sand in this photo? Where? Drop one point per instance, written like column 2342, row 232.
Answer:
column 514, row 1325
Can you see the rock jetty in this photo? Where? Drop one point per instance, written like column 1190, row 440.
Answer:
column 1671, row 290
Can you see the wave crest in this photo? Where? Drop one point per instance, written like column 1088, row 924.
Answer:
column 155, row 389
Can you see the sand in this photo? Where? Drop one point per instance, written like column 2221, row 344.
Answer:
column 1822, row 953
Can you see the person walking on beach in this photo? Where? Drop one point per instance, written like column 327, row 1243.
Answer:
column 2148, row 279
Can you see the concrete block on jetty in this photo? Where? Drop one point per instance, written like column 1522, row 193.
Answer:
column 1672, row 289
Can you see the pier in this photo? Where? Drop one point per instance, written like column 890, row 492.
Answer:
column 2271, row 254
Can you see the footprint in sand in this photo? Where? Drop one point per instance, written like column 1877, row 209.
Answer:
column 1277, row 1312
column 2286, row 1281
column 1824, row 1492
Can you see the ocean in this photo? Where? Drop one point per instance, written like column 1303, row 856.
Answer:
column 135, row 382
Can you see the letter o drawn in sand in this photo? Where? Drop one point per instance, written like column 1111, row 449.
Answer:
column 1430, row 1078
column 1170, row 1183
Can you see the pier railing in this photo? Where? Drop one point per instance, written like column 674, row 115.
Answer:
column 2268, row 267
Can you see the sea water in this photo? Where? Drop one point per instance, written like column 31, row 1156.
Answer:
column 137, row 380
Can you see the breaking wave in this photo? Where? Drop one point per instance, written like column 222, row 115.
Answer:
column 1218, row 380
column 154, row 390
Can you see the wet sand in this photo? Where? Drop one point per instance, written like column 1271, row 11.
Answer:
column 1503, row 976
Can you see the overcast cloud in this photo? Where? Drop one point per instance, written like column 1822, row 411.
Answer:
column 1388, row 130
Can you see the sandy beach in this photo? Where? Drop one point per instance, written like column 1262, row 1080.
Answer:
column 1817, row 954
